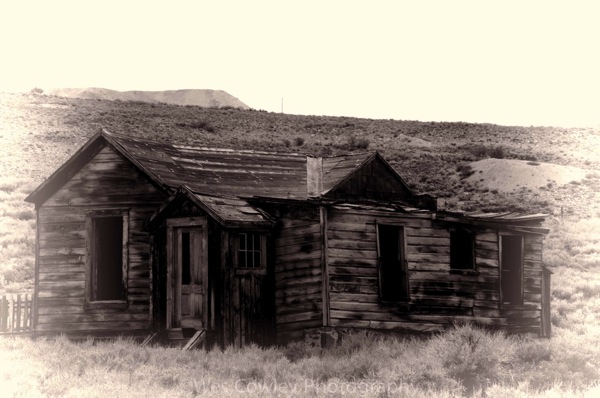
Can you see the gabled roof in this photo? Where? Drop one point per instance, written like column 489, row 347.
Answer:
column 209, row 171
column 229, row 212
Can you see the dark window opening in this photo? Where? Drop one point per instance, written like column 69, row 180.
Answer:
column 107, row 259
column 186, row 275
column 462, row 250
column 512, row 269
column 393, row 275
column 250, row 250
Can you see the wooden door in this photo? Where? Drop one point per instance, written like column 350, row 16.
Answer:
column 188, row 277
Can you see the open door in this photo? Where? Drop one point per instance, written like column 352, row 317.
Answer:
column 187, row 274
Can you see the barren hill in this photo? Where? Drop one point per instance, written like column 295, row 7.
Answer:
column 39, row 132
column 204, row 98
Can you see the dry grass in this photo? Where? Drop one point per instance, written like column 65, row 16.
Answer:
column 462, row 361
column 38, row 133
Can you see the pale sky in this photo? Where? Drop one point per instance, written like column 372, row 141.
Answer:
column 505, row 62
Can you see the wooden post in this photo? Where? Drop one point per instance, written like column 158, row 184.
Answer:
column 3, row 314
column 324, row 266
column 546, row 322
column 17, row 310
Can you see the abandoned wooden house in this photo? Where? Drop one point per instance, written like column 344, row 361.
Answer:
column 136, row 236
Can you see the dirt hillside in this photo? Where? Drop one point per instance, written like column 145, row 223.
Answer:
column 205, row 98
column 513, row 174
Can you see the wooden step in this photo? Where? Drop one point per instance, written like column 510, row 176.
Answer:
column 195, row 341
column 149, row 339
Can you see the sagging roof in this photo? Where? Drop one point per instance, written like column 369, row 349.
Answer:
column 209, row 171
column 517, row 222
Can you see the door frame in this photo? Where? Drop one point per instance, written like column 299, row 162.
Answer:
column 173, row 264
column 501, row 257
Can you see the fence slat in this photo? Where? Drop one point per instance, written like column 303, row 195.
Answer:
column 3, row 314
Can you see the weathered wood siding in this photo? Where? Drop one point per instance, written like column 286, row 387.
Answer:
column 374, row 181
column 438, row 295
column 107, row 181
column 298, row 297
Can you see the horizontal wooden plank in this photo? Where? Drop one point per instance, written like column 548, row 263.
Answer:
column 388, row 325
column 353, row 270
column 448, row 276
column 64, row 250
column 416, row 232
column 299, row 264
column 305, row 306
column 430, row 241
column 354, row 297
column 106, row 317
column 299, row 290
column 426, row 249
column 81, row 309
column 362, row 245
column 485, row 245
column 283, row 276
column 118, row 327
column 290, row 223
column 490, row 236
column 352, row 262
column 354, row 279
column 286, row 284
column 350, row 253
column 335, row 234
column 428, row 258
column 78, row 275
column 306, row 247
column 344, row 287
column 298, row 317
column 294, row 257
column 284, row 328
column 291, row 300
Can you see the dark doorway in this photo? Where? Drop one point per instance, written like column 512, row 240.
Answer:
column 511, row 257
column 393, row 275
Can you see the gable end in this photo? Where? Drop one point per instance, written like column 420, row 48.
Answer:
column 374, row 179
column 76, row 162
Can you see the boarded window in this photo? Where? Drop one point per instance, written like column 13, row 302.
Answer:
column 393, row 275
column 107, row 252
column 462, row 250
column 251, row 250
column 511, row 255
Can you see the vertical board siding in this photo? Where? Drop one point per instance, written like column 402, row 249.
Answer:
column 438, row 295
column 107, row 181
column 298, row 282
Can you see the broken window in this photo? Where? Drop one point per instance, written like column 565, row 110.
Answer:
column 108, row 257
column 462, row 250
column 393, row 273
column 251, row 251
column 511, row 265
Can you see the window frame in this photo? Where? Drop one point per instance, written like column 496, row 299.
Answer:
column 402, row 246
column 472, row 238
column 239, row 270
column 91, row 260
